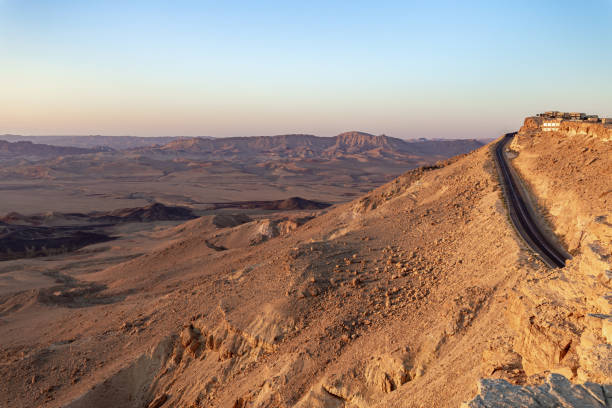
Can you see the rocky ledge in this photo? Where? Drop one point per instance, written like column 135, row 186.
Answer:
column 557, row 391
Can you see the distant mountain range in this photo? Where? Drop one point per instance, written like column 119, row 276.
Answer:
column 299, row 146
column 114, row 142
column 254, row 173
column 28, row 149
column 230, row 148
column 197, row 172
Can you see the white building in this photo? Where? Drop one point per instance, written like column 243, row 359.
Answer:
column 551, row 125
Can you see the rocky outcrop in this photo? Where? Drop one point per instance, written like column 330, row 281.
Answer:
column 208, row 353
column 557, row 391
column 598, row 130
column 531, row 123
column 562, row 317
column 271, row 228
column 548, row 331
column 389, row 371
column 366, row 382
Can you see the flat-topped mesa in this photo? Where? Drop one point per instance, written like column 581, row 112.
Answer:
column 569, row 124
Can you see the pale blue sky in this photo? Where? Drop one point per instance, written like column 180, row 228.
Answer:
column 407, row 69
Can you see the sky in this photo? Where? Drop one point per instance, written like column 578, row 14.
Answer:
column 407, row 69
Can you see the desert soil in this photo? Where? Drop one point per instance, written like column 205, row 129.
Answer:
column 404, row 297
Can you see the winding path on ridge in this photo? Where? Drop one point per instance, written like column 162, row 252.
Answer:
column 521, row 213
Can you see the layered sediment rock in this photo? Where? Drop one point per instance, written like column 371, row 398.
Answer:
column 598, row 130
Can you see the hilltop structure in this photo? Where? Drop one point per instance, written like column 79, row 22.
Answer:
column 550, row 121
column 565, row 124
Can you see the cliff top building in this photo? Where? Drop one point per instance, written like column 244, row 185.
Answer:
column 551, row 124
column 565, row 115
column 551, row 120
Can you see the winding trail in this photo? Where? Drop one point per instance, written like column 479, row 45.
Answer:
column 521, row 213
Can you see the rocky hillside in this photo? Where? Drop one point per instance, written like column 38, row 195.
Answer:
column 566, row 173
column 563, row 317
column 406, row 297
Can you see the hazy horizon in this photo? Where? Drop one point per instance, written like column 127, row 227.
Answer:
column 224, row 137
column 189, row 68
